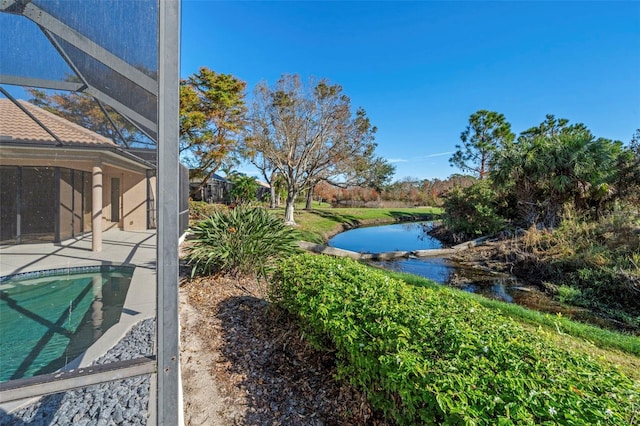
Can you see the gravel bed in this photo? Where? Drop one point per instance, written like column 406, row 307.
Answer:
column 122, row 402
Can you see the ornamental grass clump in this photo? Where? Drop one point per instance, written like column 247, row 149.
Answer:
column 244, row 240
column 432, row 357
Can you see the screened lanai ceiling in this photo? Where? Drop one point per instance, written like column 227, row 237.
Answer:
column 93, row 47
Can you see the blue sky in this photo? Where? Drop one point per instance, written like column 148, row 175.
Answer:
column 420, row 69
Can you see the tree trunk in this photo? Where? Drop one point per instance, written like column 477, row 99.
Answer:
column 308, row 205
column 483, row 166
column 288, row 210
column 272, row 192
column 272, row 197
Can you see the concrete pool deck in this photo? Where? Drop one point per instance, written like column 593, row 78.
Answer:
column 132, row 248
column 119, row 247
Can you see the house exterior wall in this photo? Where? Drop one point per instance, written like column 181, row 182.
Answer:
column 134, row 202
column 108, row 222
column 215, row 191
column 134, row 187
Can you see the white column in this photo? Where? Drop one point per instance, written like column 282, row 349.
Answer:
column 96, row 306
column 96, row 208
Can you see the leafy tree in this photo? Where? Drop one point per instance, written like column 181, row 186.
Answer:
column 212, row 118
column 87, row 112
column 634, row 144
column 244, row 188
column 327, row 192
column 472, row 211
column 485, row 133
column 308, row 133
column 628, row 167
column 374, row 172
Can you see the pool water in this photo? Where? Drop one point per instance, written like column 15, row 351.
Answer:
column 47, row 321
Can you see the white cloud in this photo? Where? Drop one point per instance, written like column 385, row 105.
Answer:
column 420, row 158
column 439, row 154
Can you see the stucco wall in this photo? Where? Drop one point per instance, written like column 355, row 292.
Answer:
column 133, row 183
column 134, row 215
column 133, row 200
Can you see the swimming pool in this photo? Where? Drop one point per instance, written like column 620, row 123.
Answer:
column 48, row 318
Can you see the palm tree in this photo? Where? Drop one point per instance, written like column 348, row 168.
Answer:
column 547, row 171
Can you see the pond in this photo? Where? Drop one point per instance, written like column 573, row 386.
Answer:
column 414, row 236
column 376, row 239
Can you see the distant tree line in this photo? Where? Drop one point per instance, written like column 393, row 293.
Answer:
column 409, row 191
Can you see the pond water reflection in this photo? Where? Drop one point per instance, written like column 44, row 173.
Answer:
column 377, row 239
column 414, row 236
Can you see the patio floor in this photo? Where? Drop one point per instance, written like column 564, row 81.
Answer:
column 118, row 247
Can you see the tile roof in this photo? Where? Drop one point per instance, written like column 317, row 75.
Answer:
column 16, row 126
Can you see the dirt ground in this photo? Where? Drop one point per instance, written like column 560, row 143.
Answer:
column 245, row 363
column 203, row 402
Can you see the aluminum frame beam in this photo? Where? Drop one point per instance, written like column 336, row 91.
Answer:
column 115, row 128
column 92, row 49
column 15, row 80
column 12, row 6
column 169, row 405
column 121, row 108
column 134, row 117
column 47, row 384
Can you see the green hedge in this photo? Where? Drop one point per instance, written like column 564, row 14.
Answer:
column 434, row 357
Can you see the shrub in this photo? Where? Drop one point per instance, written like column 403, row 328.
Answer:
column 426, row 356
column 567, row 294
column 244, row 240
column 200, row 210
column 244, row 189
column 594, row 263
column 472, row 211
